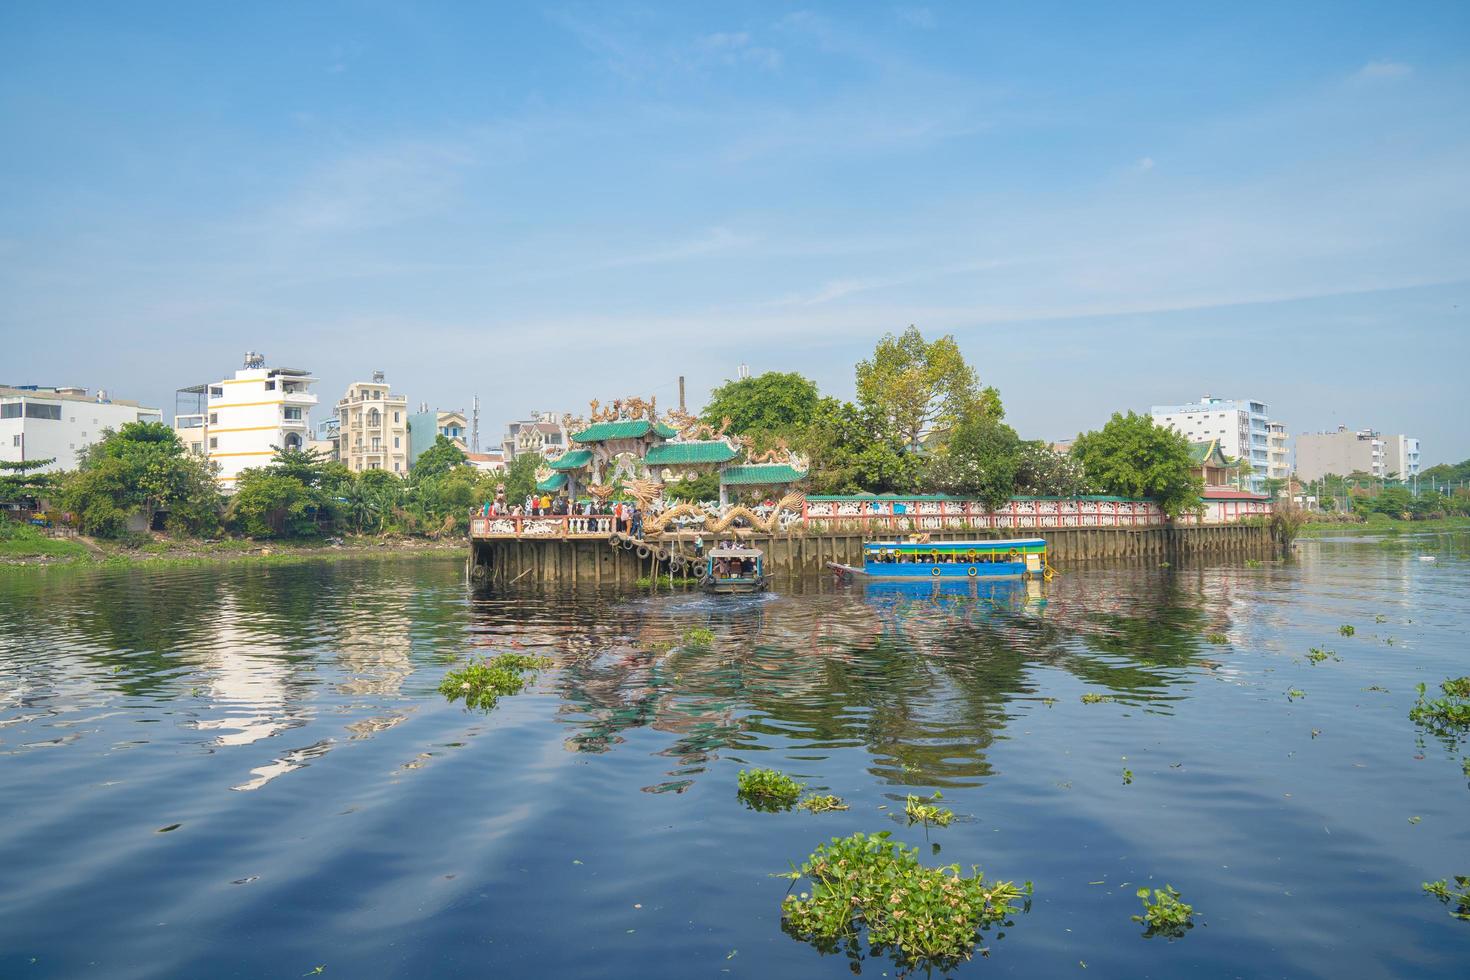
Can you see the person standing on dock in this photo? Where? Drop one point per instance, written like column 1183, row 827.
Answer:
column 699, row 546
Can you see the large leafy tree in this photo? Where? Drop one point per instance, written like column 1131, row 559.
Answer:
column 920, row 386
column 520, row 477
column 856, row 451
column 268, row 503
column 141, row 468
column 979, row 460
column 1133, row 457
column 773, row 403
column 1043, row 472
column 21, row 479
column 438, row 459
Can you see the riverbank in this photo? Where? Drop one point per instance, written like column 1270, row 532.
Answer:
column 31, row 548
column 1379, row 524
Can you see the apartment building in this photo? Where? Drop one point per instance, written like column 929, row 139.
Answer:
column 1278, row 466
column 542, row 434
column 425, row 426
column 372, row 427
column 1348, row 451
column 240, row 422
column 1239, row 425
column 42, row 422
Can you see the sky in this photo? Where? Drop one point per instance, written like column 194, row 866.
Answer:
column 1109, row 206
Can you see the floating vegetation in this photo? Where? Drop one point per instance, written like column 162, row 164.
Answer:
column 1465, row 766
column 1295, row 693
column 767, row 789
column 699, row 637
column 1127, row 777
column 1448, row 716
column 1165, row 915
column 1459, row 895
column 1252, row 563
column 1376, row 687
column 1316, row 655
column 1216, row 638
column 482, row 684
column 1048, row 701
column 1346, row 629
column 818, row 803
column 1380, row 618
column 919, row 810
column 925, row 919
column 1091, row 698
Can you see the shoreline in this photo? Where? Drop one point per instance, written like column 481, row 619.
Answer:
column 182, row 553
column 1383, row 526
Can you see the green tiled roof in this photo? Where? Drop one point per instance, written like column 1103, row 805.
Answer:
column 685, row 453
column 572, row 460
column 626, row 429
column 553, row 482
column 1208, row 453
column 760, row 473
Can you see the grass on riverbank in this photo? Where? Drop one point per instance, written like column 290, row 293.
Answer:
column 30, row 547
column 21, row 541
column 1380, row 524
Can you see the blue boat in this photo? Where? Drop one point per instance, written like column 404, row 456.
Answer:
column 1016, row 558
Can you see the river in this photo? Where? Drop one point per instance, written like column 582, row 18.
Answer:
column 248, row 771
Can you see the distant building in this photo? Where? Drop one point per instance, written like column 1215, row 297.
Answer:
column 486, row 462
column 542, row 434
column 1348, row 451
column 326, row 439
column 425, row 426
column 40, row 422
column 1239, row 425
column 372, row 427
column 1278, row 465
column 1211, row 465
column 240, row 422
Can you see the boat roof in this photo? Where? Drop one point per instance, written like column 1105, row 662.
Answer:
column 930, row 545
column 734, row 553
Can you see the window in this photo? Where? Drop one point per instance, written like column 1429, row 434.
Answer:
column 214, row 418
column 15, row 440
column 10, row 410
column 270, row 386
column 213, row 443
column 395, row 444
column 36, row 411
column 395, row 416
column 216, row 392
column 72, row 419
column 293, row 415
column 395, row 467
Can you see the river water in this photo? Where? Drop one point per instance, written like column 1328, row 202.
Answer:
column 241, row 771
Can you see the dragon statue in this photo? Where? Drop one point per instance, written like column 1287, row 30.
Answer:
column 769, row 524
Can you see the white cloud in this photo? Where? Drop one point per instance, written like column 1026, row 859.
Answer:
column 917, row 16
column 1384, row 69
column 1145, row 163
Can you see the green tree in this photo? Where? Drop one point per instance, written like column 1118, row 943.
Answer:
column 306, row 465
column 855, row 451
column 772, row 404
column 706, row 486
column 1042, row 472
column 979, row 460
column 920, row 385
column 520, row 477
column 1132, row 457
column 438, row 459
column 1272, row 486
column 19, row 480
column 141, row 468
column 268, row 503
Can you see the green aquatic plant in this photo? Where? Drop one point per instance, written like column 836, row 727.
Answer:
column 1091, row 698
column 1165, row 915
column 1376, row 687
column 818, row 803
column 1295, row 693
column 767, row 789
column 482, row 684
column 1465, row 766
column 919, row 810
column 698, row 636
column 1380, row 618
column 1346, row 629
column 1252, row 563
column 926, row 919
column 1316, row 655
column 1216, row 638
column 1448, row 716
column 1127, row 777
column 1459, row 895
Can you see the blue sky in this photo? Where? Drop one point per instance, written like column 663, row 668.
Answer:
column 1108, row 205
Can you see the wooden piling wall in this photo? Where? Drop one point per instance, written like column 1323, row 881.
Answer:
column 593, row 561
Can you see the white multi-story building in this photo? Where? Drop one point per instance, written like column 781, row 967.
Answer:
column 245, row 419
column 1346, row 451
column 542, row 434
column 1279, row 465
column 1240, row 426
column 372, row 427
column 37, row 422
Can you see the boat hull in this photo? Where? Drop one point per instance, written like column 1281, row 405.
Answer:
column 736, row 588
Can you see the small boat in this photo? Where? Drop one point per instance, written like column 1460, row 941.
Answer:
column 734, row 570
column 1023, row 558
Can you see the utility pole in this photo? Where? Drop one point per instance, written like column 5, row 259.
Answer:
column 681, row 394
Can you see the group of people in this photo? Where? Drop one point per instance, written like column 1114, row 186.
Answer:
column 588, row 516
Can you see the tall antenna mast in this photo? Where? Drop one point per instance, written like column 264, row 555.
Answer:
column 475, row 424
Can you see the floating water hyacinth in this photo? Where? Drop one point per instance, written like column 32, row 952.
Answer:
column 767, row 789
column 1164, row 915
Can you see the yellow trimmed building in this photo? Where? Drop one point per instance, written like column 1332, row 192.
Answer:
column 241, row 420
